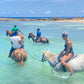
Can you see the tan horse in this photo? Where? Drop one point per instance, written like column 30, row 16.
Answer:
column 41, row 39
column 19, row 55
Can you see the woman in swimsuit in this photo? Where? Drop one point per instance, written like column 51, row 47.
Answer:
column 67, row 53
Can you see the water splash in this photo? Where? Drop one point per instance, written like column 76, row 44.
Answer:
column 60, row 74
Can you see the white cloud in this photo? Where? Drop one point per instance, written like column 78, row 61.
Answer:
column 17, row 12
column 48, row 12
column 32, row 11
column 82, row 11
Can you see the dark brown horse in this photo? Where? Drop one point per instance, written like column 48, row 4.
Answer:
column 19, row 55
column 41, row 39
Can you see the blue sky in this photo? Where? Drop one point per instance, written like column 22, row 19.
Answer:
column 41, row 8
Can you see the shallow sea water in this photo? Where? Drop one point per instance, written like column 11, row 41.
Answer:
column 34, row 71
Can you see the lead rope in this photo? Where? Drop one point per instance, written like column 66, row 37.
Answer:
column 32, row 55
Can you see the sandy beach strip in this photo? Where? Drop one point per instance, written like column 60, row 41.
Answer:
column 74, row 20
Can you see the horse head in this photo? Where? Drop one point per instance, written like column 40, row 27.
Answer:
column 44, row 56
column 30, row 35
column 8, row 32
column 48, row 56
column 52, row 58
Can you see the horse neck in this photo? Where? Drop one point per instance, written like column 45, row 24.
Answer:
column 8, row 33
column 51, row 55
column 21, row 36
column 52, row 59
column 33, row 37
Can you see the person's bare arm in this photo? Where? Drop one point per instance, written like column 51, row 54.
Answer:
column 61, row 52
column 20, row 31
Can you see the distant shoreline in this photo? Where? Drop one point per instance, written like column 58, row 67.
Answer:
column 74, row 19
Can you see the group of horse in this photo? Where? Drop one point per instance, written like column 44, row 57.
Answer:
column 76, row 62
column 20, row 54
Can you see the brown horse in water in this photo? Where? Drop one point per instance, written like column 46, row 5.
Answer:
column 9, row 33
column 19, row 55
column 41, row 39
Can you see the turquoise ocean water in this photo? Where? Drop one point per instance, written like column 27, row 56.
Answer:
column 34, row 71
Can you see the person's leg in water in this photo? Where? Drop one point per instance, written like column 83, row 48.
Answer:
column 63, row 61
column 11, row 50
column 38, row 39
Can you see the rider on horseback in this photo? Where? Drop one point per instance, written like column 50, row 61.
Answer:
column 67, row 53
column 38, row 35
column 16, row 42
column 15, row 29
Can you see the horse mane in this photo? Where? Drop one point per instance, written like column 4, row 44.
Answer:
column 32, row 34
column 50, row 55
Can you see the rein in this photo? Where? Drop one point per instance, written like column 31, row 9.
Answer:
column 52, row 64
column 33, row 55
